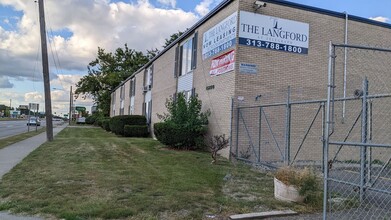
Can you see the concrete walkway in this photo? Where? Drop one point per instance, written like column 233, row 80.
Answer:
column 13, row 154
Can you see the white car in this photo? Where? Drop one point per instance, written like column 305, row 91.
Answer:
column 34, row 121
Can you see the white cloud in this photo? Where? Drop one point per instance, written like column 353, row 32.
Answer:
column 33, row 97
column 171, row 3
column 380, row 18
column 204, row 7
column 93, row 24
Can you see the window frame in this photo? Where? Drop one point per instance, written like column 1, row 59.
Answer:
column 187, row 62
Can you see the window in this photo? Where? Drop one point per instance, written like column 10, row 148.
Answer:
column 132, row 89
column 122, row 100
column 122, row 92
column 149, row 76
column 186, row 56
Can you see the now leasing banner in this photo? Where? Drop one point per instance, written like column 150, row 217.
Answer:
column 223, row 64
column 273, row 33
column 220, row 37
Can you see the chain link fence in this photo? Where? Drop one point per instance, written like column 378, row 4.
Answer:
column 346, row 136
column 358, row 134
column 281, row 134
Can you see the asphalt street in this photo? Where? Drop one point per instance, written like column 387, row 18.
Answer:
column 10, row 128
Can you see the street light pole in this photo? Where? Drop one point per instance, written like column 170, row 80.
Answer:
column 70, row 106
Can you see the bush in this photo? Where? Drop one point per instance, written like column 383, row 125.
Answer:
column 90, row 119
column 105, row 124
column 136, row 131
column 99, row 120
column 175, row 136
column 117, row 123
column 184, row 125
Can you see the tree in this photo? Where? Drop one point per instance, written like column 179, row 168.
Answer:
column 152, row 53
column 172, row 38
column 106, row 72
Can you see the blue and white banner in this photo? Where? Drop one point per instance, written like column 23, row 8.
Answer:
column 220, row 37
column 273, row 33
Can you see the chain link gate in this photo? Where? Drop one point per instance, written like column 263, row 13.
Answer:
column 281, row 134
column 357, row 181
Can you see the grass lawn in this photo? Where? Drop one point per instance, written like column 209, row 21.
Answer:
column 4, row 142
column 87, row 173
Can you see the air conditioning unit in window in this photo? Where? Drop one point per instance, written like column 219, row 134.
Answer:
column 147, row 88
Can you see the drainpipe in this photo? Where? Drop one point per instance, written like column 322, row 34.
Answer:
column 345, row 67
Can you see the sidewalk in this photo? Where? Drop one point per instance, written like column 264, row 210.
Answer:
column 13, row 154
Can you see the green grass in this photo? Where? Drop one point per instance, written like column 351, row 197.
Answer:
column 87, row 173
column 4, row 142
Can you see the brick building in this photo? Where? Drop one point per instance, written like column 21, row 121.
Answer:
column 244, row 54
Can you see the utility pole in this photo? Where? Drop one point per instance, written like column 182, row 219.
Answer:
column 46, row 77
column 70, row 106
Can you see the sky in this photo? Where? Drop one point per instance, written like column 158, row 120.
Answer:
column 77, row 28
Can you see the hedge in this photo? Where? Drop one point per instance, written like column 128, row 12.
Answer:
column 117, row 123
column 136, row 131
column 105, row 124
column 177, row 136
column 91, row 119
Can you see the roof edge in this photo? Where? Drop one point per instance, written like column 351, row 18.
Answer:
column 329, row 12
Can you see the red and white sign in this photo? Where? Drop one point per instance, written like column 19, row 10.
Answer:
column 223, row 64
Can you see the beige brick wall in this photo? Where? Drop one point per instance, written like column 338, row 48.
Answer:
column 164, row 83
column 306, row 74
column 217, row 100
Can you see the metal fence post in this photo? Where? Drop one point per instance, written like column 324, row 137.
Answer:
column 364, row 133
column 323, row 132
column 237, row 132
column 370, row 141
column 259, row 134
column 330, row 85
column 288, row 128
column 230, row 129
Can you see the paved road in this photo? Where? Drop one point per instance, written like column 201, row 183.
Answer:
column 10, row 128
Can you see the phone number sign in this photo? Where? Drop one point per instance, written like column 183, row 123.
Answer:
column 273, row 33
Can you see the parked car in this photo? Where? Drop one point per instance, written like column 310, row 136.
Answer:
column 34, row 121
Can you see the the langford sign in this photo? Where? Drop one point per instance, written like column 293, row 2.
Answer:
column 223, row 64
column 273, row 33
column 220, row 37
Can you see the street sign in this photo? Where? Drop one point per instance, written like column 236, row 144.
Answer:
column 34, row 106
column 23, row 107
column 80, row 108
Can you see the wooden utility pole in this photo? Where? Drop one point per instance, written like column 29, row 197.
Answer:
column 46, row 77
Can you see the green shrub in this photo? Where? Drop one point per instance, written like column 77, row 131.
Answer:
column 105, row 124
column 99, row 120
column 91, row 119
column 184, row 126
column 117, row 123
column 136, row 131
